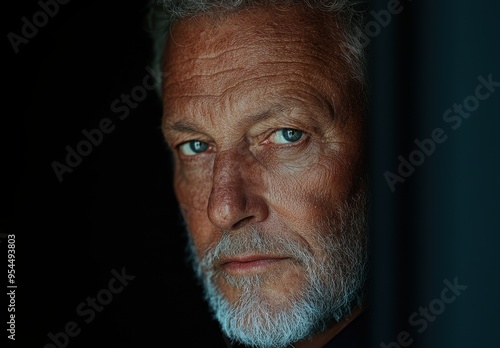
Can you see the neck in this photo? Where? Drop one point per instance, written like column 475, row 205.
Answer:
column 321, row 339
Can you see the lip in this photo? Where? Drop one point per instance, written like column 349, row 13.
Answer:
column 241, row 265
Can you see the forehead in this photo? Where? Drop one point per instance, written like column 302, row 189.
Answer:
column 218, row 61
column 297, row 23
column 246, row 40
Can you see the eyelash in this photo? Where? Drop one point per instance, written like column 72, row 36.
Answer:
column 193, row 156
column 298, row 141
column 303, row 137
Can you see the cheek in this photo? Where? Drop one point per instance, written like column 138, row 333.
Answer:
column 192, row 195
column 307, row 194
column 299, row 200
column 193, row 200
column 192, row 183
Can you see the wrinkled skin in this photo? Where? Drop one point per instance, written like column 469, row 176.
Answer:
column 234, row 83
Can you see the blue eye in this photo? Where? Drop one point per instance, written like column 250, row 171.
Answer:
column 286, row 135
column 193, row 147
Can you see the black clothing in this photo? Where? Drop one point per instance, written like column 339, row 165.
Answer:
column 353, row 335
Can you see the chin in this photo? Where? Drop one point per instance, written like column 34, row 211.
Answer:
column 274, row 290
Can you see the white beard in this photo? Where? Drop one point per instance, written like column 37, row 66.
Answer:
column 333, row 280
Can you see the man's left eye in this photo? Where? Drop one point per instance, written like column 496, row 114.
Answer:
column 286, row 136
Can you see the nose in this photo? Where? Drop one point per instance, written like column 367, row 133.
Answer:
column 235, row 199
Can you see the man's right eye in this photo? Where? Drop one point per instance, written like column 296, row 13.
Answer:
column 193, row 147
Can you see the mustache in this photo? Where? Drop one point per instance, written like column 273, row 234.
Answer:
column 254, row 240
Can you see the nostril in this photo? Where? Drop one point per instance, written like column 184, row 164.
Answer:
column 242, row 222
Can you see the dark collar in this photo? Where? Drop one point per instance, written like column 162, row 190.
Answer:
column 353, row 335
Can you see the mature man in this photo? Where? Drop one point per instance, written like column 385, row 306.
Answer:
column 264, row 110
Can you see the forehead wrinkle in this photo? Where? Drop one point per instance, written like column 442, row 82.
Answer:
column 169, row 84
column 197, row 82
column 214, row 48
column 250, row 56
column 231, row 87
column 256, row 41
column 299, row 85
column 247, row 57
column 216, row 73
column 207, row 54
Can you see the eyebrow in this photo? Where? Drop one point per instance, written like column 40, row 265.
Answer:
column 182, row 126
column 261, row 116
column 188, row 127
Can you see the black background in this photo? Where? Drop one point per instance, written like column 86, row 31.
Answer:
column 117, row 210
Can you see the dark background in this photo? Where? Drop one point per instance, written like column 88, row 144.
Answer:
column 116, row 209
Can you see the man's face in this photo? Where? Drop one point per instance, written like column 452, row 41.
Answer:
column 265, row 124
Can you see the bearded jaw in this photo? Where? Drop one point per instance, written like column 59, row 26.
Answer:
column 273, row 309
column 269, row 311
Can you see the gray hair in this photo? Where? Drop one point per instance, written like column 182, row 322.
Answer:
column 164, row 13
